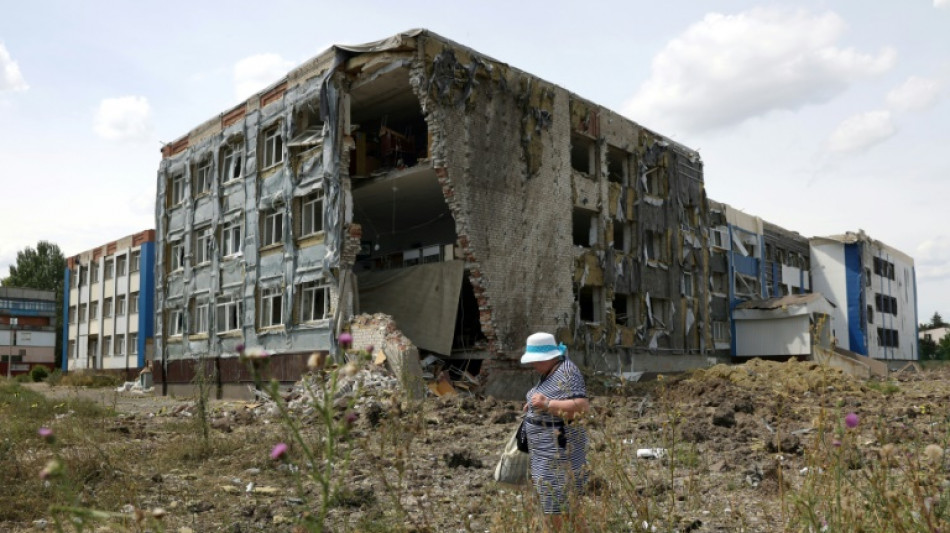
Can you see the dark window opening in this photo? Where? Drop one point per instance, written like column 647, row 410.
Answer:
column 619, row 236
column 468, row 326
column 582, row 226
column 887, row 338
column 583, row 157
column 870, row 315
column 586, row 303
column 616, row 164
column 621, row 309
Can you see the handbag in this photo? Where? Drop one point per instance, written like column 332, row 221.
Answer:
column 512, row 467
column 522, row 437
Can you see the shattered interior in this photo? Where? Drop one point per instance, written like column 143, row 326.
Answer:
column 472, row 202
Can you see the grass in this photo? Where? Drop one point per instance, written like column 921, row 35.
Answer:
column 888, row 473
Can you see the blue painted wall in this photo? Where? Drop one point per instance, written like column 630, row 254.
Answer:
column 854, row 287
column 64, row 361
column 146, row 299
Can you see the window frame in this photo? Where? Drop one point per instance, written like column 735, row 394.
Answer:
column 203, row 176
column 134, row 303
column 271, row 302
column 176, row 325
column 176, row 255
column 272, row 147
column 199, row 317
column 135, row 261
column 306, row 310
column 176, row 192
column 121, row 265
column 204, row 245
column 223, row 312
column 272, row 226
column 231, row 236
column 314, row 203
column 232, row 158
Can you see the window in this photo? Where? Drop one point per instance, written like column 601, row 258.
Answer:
column 81, row 276
column 688, row 284
column 620, row 236
column 120, row 305
column 887, row 338
column 175, row 324
column 622, row 315
column 92, row 349
column 203, row 176
column 885, row 304
column 273, row 148
column 314, row 302
column 176, row 190
column 883, row 268
column 107, row 308
column 74, row 277
column 109, row 265
column 228, row 314
column 653, row 181
column 93, row 310
column 659, row 312
column 199, row 317
column 311, row 213
column 133, row 343
column 136, row 258
column 584, row 230
column 720, row 330
column 82, row 313
column 583, row 155
column 204, row 245
column 231, row 239
column 94, row 273
column 231, row 158
column 870, row 314
column 119, row 345
column 271, row 307
column 72, row 314
column 134, row 303
column 106, row 344
column 72, row 350
column 654, row 245
column 719, row 282
column 616, row 164
column 272, row 227
column 176, row 256
column 120, row 263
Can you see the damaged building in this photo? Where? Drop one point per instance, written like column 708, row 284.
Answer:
column 418, row 179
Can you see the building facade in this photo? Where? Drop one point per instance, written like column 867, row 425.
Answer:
column 874, row 289
column 109, row 302
column 471, row 201
column 27, row 330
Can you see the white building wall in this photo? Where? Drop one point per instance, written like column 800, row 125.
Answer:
column 828, row 277
column 902, row 289
column 775, row 336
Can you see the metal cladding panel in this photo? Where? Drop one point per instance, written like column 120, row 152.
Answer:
column 854, row 286
column 65, row 347
column 746, row 265
column 146, row 299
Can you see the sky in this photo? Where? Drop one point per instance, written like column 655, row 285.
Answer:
column 819, row 116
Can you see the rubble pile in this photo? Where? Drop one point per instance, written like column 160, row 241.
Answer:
column 794, row 377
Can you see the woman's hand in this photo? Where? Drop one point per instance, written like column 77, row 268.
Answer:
column 539, row 402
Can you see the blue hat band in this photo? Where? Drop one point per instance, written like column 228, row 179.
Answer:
column 544, row 348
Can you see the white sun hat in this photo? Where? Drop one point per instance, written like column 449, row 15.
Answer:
column 542, row 347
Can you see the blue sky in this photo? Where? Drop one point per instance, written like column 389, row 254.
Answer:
column 819, row 116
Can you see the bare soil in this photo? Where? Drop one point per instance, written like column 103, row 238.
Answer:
column 736, row 439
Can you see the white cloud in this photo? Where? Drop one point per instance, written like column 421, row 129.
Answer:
column 862, row 131
column 933, row 258
column 941, row 3
column 10, row 77
column 126, row 118
column 256, row 72
column 728, row 68
column 916, row 94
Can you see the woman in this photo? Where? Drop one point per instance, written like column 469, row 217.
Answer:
column 558, row 447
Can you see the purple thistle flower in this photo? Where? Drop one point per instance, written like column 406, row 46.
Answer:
column 279, row 450
column 851, row 420
column 345, row 339
column 239, row 348
column 46, row 434
column 349, row 419
column 836, row 443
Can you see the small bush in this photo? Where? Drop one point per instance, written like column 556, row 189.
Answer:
column 22, row 378
column 39, row 373
column 88, row 379
column 54, row 377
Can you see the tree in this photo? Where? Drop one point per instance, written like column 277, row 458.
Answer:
column 41, row 269
column 937, row 321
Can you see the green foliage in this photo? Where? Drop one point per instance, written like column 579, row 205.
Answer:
column 39, row 373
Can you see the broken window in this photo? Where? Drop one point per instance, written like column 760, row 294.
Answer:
column 583, row 155
column 622, row 312
column 584, row 227
column 231, row 239
column 232, row 157
column 617, row 164
column 718, row 282
column 587, row 304
column 202, row 179
column 314, row 301
column 885, row 304
column 310, row 214
column 620, row 236
column 718, row 237
column 175, row 322
column 272, row 227
column 659, row 311
column 204, row 245
column 272, row 147
column 176, row 190
column 887, row 338
column 176, row 256
column 654, row 244
column 271, row 307
column 199, row 316
column 653, row 182
column 883, row 268
column 228, row 314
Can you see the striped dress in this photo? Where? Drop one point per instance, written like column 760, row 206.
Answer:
column 558, row 452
